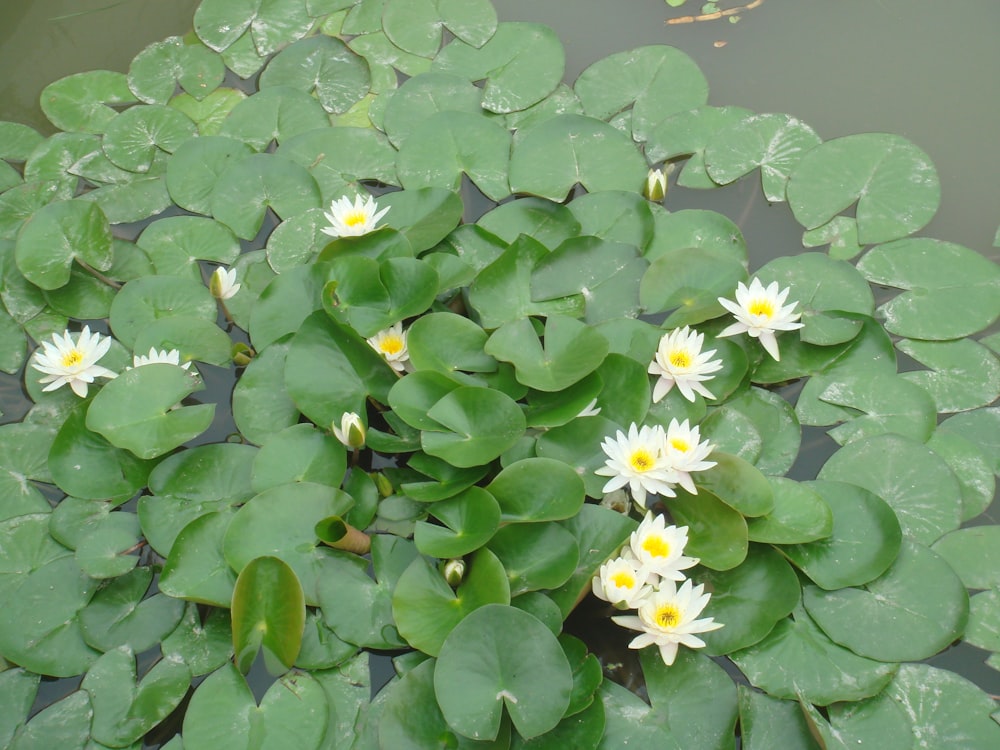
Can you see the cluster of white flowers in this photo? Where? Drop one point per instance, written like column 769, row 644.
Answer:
column 645, row 576
column 651, row 460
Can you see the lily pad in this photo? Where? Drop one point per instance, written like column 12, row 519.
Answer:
column 136, row 138
column 56, row 235
column 479, row 424
column 268, row 613
column 84, row 102
column 322, row 66
column 416, row 26
column 963, row 374
column 155, row 73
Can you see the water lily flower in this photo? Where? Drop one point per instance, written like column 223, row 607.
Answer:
column 667, row 618
column 686, row 454
column 680, row 361
column 223, row 284
column 638, row 460
column 622, row 582
column 760, row 312
column 173, row 357
column 352, row 220
column 656, row 185
column 659, row 548
column 351, row 431
column 74, row 363
column 590, row 410
column 391, row 344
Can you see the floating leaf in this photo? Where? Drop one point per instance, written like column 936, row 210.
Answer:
column 268, row 612
column 299, row 453
column 973, row 553
column 197, row 165
column 64, row 723
column 155, row 72
column 84, row 102
column 195, row 568
column 175, row 244
column 771, row 722
column 480, row 424
column 770, row 416
column 894, row 183
column 469, row 520
column 272, row 23
column 800, row 514
column 901, row 622
column 537, row 489
column 323, row 66
column 884, row 404
column 56, row 235
column 416, row 26
column 535, row 556
column 551, row 158
column 446, row 342
column 963, row 374
column 143, row 301
column 522, row 64
column 135, row 410
column 518, row 665
column 717, row 532
column 687, row 133
column 910, row 477
column 773, row 142
column 979, row 427
column 970, row 466
column 136, row 137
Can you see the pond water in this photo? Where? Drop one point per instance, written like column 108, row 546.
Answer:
column 918, row 68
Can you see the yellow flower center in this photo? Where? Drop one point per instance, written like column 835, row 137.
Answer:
column 72, row 357
column 391, row 345
column 354, row 218
column 680, row 358
column 641, row 460
column 680, row 444
column 762, row 307
column 667, row 616
column 656, row 546
column 623, row 579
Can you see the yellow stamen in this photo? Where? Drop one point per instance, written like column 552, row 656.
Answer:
column 680, row 359
column 641, row 460
column 656, row 546
column 667, row 616
column 623, row 580
column 72, row 357
column 679, row 444
column 762, row 307
column 354, row 218
column 391, row 345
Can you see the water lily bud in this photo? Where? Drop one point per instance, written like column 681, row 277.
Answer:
column 454, row 571
column 383, row 484
column 242, row 354
column 223, row 283
column 351, row 431
column 656, row 185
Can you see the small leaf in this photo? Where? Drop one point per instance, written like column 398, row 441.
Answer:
column 268, row 612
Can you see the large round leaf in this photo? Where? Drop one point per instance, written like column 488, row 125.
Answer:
column 552, row 157
column 195, row 568
column 196, row 166
column 323, row 66
column 135, row 410
column 537, row 489
column 56, row 235
column 687, row 134
column 894, row 183
column 274, row 114
column 145, row 300
column 422, row 96
column 299, row 453
column 140, row 135
column 339, row 158
column 799, row 515
column 481, row 424
column 963, row 373
column 416, row 26
column 717, row 532
column 85, row 102
column 154, row 73
column 535, row 556
column 447, row 342
column 499, row 657
column 974, row 553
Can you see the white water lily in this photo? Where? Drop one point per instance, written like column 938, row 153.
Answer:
column 352, row 220
column 680, row 361
column 590, row 410
column 173, row 357
column 656, row 185
column 686, row 453
column 391, row 344
column 223, row 284
column 761, row 311
column 622, row 582
column 351, row 431
column 659, row 549
column 637, row 460
column 667, row 618
column 65, row 361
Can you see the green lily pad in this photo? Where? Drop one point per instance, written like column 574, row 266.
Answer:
column 800, row 515
column 422, row 96
column 970, row 466
column 19, row 141
column 909, row 476
column 901, row 622
column 688, row 283
column 322, row 66
column 522, row 63
column 717, row 532
column 203, row 645
column 841, row 233
column 767, row 414
column 893, row 182
column 551, row 158
column 135, row 410
column 299, row 453
column 209, row 113
column 469, row 520
column 195, row 569
column 56, row 235
column 771, row 722
column 862, row 545
column 175, row 244
column 155, row 73
column 630, row 719
column 446, row 342
column 773, row 142
column 972, row 553
column 797, row 661
column 139, row 135
column 657, row 80
column 64, row 723
column 18, row 688
column 545, row 221
column 963, row 374
column 883, row 404
column 84, row 102
column 274, row 114
column 951, row 291
column 519, row 666
column 196, row 166
column 980, row 427
column 261, row 404
column 416, row 26
column 143, row 301
column 688, row 133
column 479, row 424
column 268, row 612
column 271, row 23
column 426, row 609
column 537, row 489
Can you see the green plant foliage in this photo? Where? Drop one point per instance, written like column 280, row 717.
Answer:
column 488, row 323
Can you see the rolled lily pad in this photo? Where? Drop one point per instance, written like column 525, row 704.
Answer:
column 522, row 64
column 518, row 666
column 951, row 291
column 910, row 477
column 797, row 661
column 893, row 182
column 568, row 149
column 268, row 612
column 135, row 410
column 773, row 142
column 56, row 235
column 901, row 623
